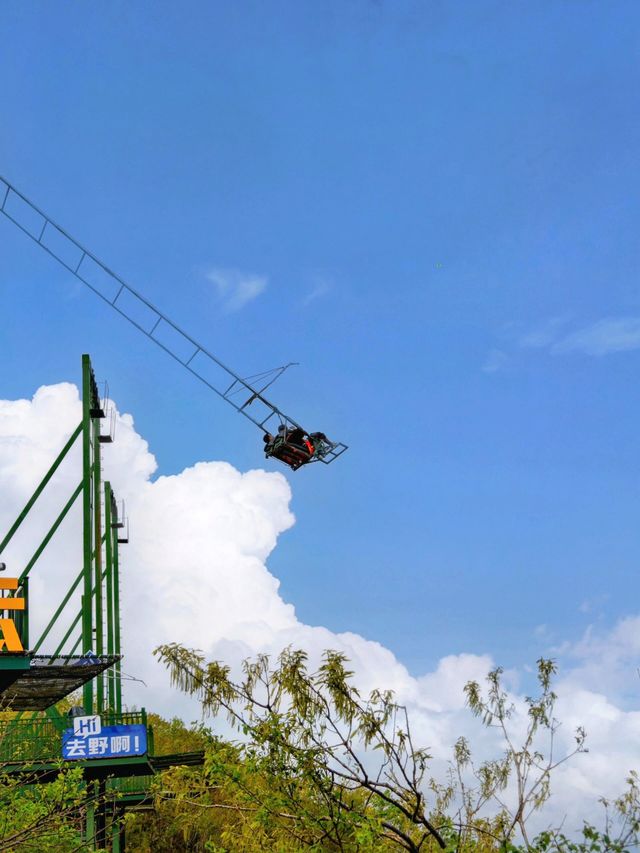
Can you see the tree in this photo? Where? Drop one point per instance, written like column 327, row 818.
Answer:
column 519, row 782
column 311, row 734
column 321, row 767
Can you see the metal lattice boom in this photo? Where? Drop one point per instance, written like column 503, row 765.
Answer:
column 151, row 321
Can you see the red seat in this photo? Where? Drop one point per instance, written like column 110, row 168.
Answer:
column 290, row 454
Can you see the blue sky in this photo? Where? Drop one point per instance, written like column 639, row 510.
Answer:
column 441, row 200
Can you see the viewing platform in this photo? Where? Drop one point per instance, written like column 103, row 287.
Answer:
column 36, row 682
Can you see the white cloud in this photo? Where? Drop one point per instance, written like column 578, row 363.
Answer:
column 544, row 335
column 321, row 286
column 594, row 604
column 612, row 334
column 195, row 571
column 607, row 658
column 236, row 289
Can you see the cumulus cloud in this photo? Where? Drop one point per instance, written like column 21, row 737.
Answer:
column 195, row 572
column 235, row 288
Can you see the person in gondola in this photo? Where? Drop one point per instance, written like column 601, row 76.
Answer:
column 291, row 446
column 308, row 445
column 299, row 439
column 296, row 437
column 276, row 445
column 268, row 443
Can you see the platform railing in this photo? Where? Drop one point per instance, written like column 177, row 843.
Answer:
column 40, row 738
column 130, row 788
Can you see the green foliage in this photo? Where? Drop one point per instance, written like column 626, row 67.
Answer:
column 174, row 824
column 320, row 767
column 42, row 818
column 172, row 736
column 301, row 768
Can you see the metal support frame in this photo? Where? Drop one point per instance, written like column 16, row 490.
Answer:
column 87, row 527
column 95, row 623
column 117, row 649
column 97, row 556
column 98, row 582
column 108, row 530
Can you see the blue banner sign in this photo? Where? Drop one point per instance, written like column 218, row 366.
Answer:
column 110, row 742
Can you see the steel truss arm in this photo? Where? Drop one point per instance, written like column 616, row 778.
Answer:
column 134, row 307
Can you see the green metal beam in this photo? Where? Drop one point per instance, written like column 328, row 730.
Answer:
column 73, row 625
column 58, row 651
column 25, row 615
column 76, row 644
column 108, row 535
column 22, row 616
column 87, row 610
column 117, row 831
column 97, row 557
column 51, row 532
column 61, row 607
column 34, row 497
column 116, row 609
column 90, row 819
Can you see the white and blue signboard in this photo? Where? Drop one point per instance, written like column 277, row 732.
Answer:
column 90, row 739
